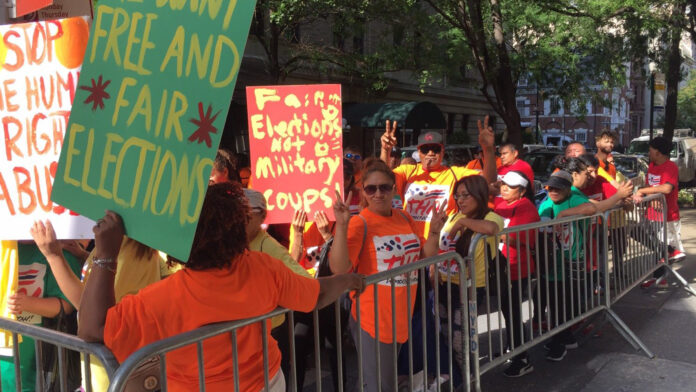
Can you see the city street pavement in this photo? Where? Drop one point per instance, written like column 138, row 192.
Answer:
column 665, row 320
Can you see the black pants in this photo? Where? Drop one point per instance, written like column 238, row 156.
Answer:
column 511, row 306
column 559, row 310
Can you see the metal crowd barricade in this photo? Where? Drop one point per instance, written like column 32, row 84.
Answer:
column 567, row 272
column 638, row 245
column 443, row 334
column 63, row 343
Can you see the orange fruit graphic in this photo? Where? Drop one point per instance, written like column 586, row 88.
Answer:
column 70, row 47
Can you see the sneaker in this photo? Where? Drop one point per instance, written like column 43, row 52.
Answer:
column 648, row 283
column 676, row 256
column 569, row 345
column 556, row 353
column 662, row 283
column 518, row 368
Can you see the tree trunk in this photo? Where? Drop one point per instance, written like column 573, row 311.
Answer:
column 673, row 75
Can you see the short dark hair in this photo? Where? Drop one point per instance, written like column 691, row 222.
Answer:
column 589, row 159
column 511, row 146
column 606, row 133
column 661, row 144
column 221, row 233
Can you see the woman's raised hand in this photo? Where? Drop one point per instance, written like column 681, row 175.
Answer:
column 341, row 211
column 45, row 238
column 439, row 218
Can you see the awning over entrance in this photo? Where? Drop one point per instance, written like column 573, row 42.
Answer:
column 410, row 115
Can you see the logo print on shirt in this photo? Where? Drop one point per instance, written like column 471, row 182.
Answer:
column 654, row 179
column 394, row 251
column 449, row 267
column 422, row 199
column 312, row 257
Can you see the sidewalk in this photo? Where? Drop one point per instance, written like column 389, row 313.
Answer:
column 665, row 320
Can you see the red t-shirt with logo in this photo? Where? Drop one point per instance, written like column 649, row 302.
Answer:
column 520, row 212
column 600, row 190
column 666, row 173
column 520, row 166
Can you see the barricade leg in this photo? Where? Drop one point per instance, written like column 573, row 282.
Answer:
column 628, row 334
column 680, row 279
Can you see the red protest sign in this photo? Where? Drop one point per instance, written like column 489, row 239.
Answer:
column 295, row 138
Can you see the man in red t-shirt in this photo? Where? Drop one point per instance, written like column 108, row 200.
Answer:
column 663, row 177
column 509, row 157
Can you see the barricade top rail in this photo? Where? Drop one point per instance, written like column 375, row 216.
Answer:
column 181, row 340
column 64, row 340
column 536, row 225
column 646, row 199
column 380, row 276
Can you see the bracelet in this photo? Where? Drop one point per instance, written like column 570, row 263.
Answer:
column 108, row 264
column 434, row 232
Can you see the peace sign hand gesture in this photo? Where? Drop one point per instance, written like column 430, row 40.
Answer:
column 341, row 210
column 439, row 218
column 388, row 138
column 486, row 134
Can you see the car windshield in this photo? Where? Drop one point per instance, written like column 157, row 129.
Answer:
column 640, row 147
column 626, row 165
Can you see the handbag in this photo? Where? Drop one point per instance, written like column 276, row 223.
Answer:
column 66, row 323
column 146, row 377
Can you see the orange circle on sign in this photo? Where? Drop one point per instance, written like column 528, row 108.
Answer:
column 70, row 47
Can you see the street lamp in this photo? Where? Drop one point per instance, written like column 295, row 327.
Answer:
column 652, row 67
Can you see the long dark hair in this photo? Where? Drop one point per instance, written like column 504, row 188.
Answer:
column 478, row 189
column 573, row 165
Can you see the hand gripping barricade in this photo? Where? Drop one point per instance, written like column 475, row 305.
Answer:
column 573, row 268
column 63, row 343
column 406, row 278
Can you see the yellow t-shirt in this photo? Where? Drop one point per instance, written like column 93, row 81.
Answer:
column 422, row 191
column 264, row 243
column 447, row 245
column 9, row 264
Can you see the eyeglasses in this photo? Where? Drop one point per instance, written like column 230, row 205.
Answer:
column 355, row 157
column 460, row 196
column 435, row 148
column 372, row 189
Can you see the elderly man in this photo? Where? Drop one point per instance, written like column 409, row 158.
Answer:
column 426, row 185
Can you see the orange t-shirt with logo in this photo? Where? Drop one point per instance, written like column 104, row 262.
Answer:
column 253, row 285
column 422, row 191
column 389, row 243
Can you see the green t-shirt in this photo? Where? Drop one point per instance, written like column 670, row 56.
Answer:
column 35, row 279
column 571, row 239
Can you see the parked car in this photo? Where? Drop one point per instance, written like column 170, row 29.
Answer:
column 633, row 167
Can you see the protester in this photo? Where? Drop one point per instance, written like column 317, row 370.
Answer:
column 565, row 199
column 510, row 160
column 378, row 239
column 605, row 145
column 394, row 158
column 477, row 162
column 574, row 149
column 254, row 284
column 138, row 266
column 224, row 168
column 663, row 177
column 473, row 216
column 516, row 207
column 261, row 241
column 37, row 297
column 244, row 176
column 430, row 183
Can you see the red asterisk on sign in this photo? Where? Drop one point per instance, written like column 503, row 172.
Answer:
column 97, row 93
column 205, row 126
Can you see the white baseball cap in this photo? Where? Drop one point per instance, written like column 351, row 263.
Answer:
column 513, row 178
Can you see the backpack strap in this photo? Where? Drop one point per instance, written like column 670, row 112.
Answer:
column 403, row 216
column 453, row 174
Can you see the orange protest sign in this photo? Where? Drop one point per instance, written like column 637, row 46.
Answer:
column 295, row 138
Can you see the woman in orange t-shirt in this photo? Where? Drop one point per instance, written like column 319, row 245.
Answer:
column 254, row 284
column 377, row 240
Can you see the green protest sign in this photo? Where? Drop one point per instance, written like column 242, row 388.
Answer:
column 151, row 103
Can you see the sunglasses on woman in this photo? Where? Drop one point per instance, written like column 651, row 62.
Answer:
column 355, row 157
column 435, row 148
column 372, row 189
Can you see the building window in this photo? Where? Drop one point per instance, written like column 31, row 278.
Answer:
column 581, row 136
column 523, row 107
column 554, row 105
